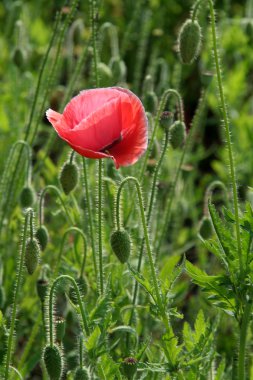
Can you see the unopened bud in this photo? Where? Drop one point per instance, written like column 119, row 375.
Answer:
column 177, row 134
column 83, row 289
column 53, row 362
column 189, row 41
column 27, row 197
column 60, row 326
column 19, row 57
column 118, row 69
column 69, row 177
column 150, row 102
column 81, row 374
column 42, row 237
column 166, row 120
column 121, row 245
column 105, row 75
column 205, row 228
column 129, row 367
column 32, row 253
column 42, row 289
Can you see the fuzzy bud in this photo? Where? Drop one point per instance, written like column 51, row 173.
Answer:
column 150, row 102
column 166, row 120
column 19, row 57
column 189, row 41
column 69, row 177
column 42, row 237
column 53, row 362
column 27, row 197
column 42, row 289
column 118, row 68
column 83, row 289
column 81, row 374
column 177, row 134
column 32, row 253
column 105, row 75
column 205, row 228
column 121, row 245
column 129, row 367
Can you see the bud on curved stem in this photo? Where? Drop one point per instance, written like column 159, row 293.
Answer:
column 209, row 192
column 56, row 191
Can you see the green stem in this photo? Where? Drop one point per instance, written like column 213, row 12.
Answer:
column 51, row 306
column 100, row 205
column 226, row 124
column 150, row 208
column 57, row 192
column 148, row 246
column 90, row 218
column 243, row 339
column 28, row 216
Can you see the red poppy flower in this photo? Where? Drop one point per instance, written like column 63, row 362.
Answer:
column 104, row 122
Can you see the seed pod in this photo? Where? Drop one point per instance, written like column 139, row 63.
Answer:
column 177, row 134
column 129, row 367
column 42, row 237
column 189, row 41
column 53, row 362
column 27, row 197
column 205, row 228
column 42, row 289
column 69, row 177
column 32, row 253
column 105, row 75
column 83, row 289
column 121, row 245
column 150, row 102
column 60, row 328
column 166, row 120
column 81, row 374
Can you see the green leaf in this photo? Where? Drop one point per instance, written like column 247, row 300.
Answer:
column 92, row 341
column 199, row 326
column 142, row 281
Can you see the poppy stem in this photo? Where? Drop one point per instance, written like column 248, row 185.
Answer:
column 28, row 217
column 100, row 217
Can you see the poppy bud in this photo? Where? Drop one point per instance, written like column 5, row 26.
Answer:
column 27, row 197
column 42, row 237
column 118, row 69
column 189, row 41
column 150, row 102
column 177, row 134
column 69, row 177
column 53, row 362
column 42, row 289
column 60, row 328
column 19, row 57
column 2, row 296
column 32, row 253
column 83, row 288
column 121, row 245
column 129, row 367
column 105, row 74
column 166, row 120
column 81, row 374
column 205, row 228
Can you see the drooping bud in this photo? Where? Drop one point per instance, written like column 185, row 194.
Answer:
column 60, row 326
column 177, row 134
column 105, row 75
column 118, row 69
column 69, row 177
column 150, row 102
column 166, row 120
column 19, row 57
column 42, row 289
column 32, row 253
column 81, row 374
column 53, row 362
column 27, row 197
column 205, row 228
column 83, row 289
column 189, row 41
column 129, row 367
column 42, row 237
column 121, row 245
